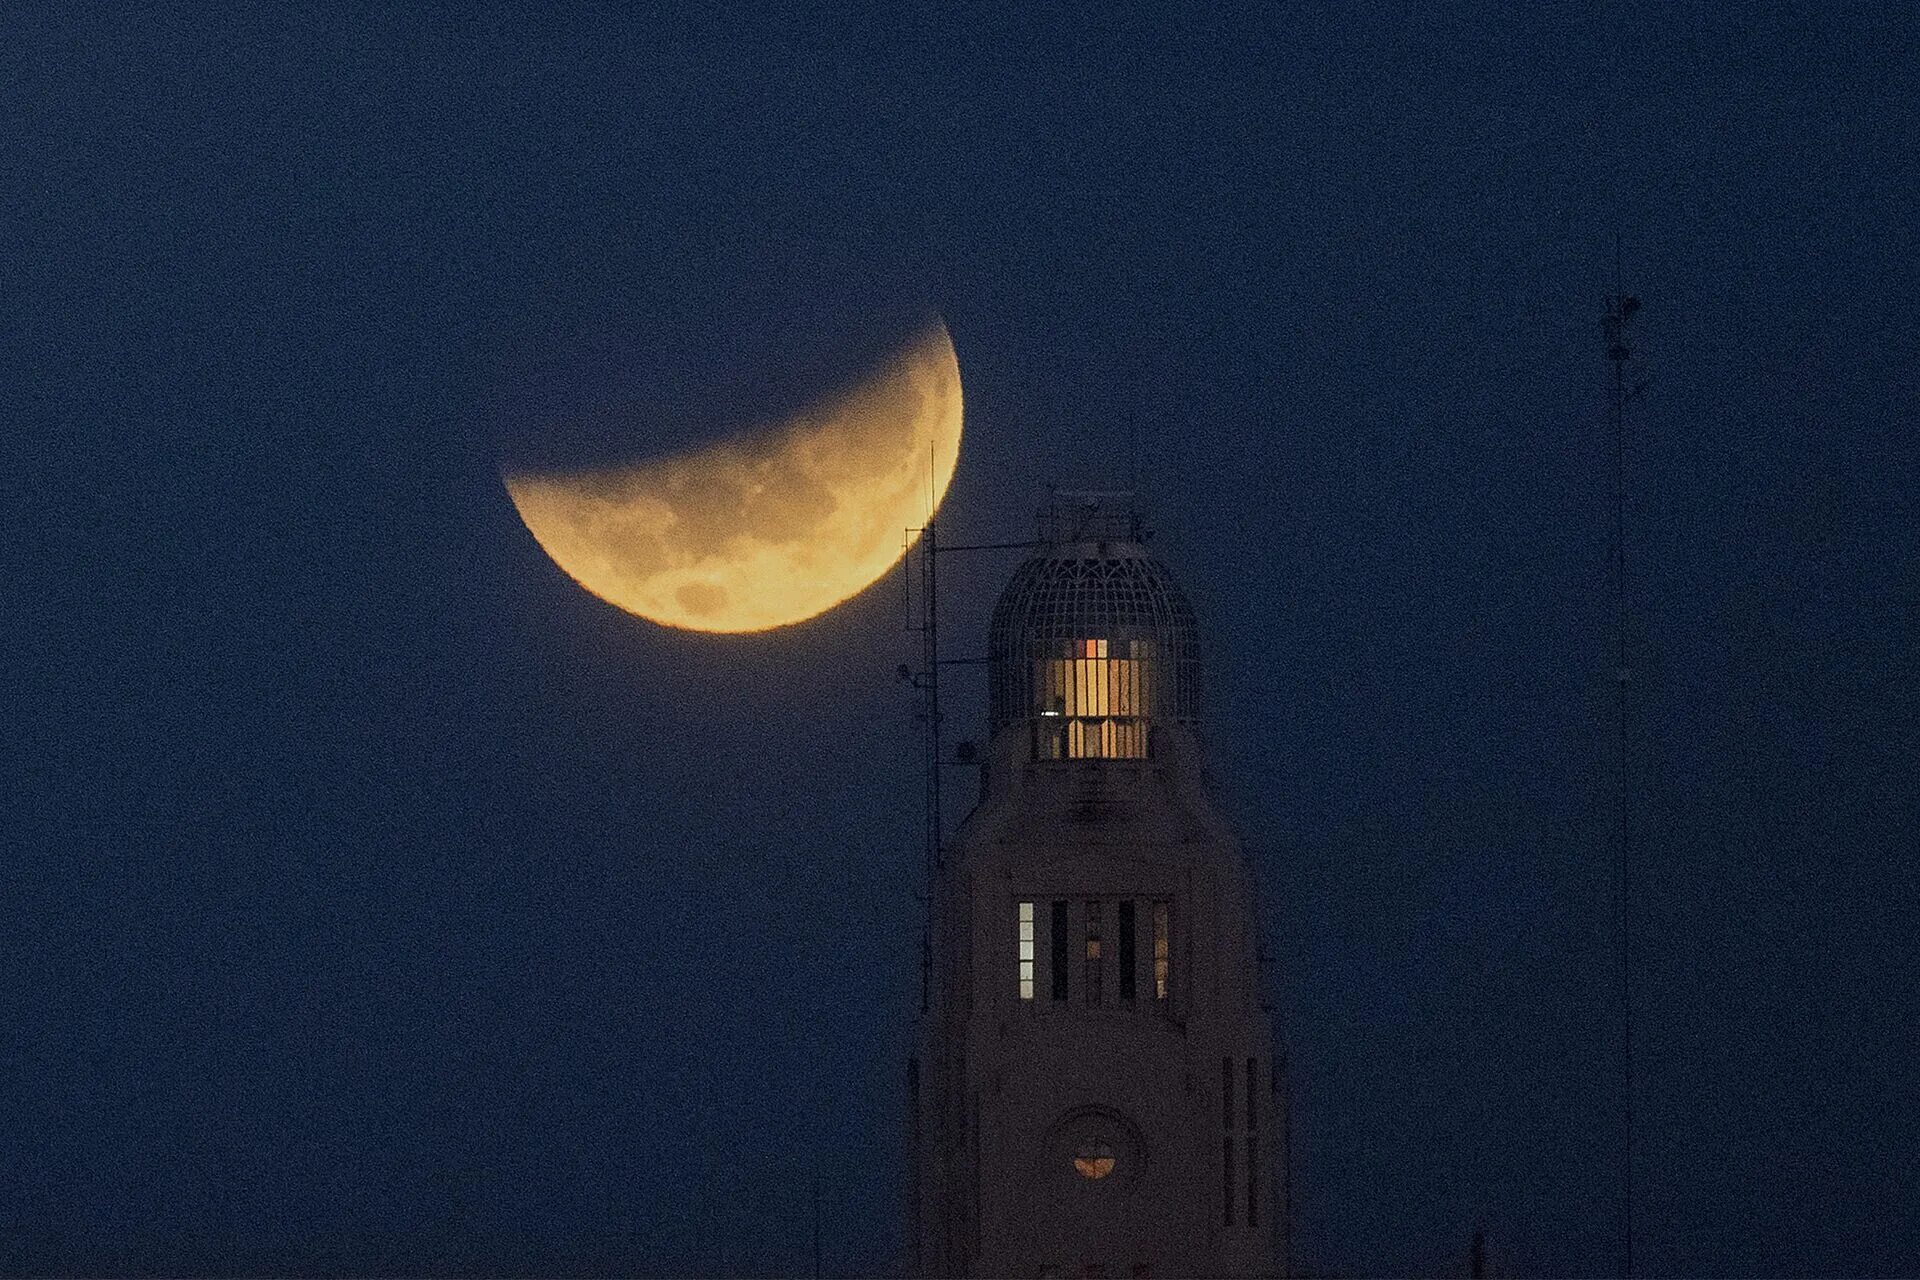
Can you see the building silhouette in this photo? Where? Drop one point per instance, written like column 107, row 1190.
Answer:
column 1094, row 1091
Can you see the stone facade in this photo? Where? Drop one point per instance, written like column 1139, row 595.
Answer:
column 1094, row 1091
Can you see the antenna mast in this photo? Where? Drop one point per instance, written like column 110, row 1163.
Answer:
column 927, row 681
column 1621, row 307
column 930, row 710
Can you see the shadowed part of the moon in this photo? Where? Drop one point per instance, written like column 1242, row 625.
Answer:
column 773, row 526
column 753, row 490
column 753, row 493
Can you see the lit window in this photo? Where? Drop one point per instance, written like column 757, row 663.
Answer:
column 1102, row 695
column 1093, row 953
column 1162, row 953
column 1025, row 917
column 1093, row 1160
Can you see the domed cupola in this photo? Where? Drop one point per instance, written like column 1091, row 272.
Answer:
column 1092, row 644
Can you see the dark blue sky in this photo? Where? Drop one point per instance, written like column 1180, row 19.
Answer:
column 375, row 899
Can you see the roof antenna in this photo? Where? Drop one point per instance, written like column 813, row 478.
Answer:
column 1621, row 307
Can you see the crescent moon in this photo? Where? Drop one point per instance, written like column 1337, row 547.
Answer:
column 773, row 527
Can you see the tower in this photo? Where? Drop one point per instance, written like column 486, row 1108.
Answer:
column 1093, row 1091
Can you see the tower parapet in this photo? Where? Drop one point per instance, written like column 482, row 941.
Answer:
column 1092, row 644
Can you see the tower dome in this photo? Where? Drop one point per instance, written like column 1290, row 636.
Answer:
column 1092, row 643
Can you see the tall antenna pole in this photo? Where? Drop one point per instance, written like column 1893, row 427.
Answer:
column 1620, row 309
column 929, row 682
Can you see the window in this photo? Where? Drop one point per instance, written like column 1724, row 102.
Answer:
column 1126, row 951
column 1253, row 1142
column 1093, row 1160
column 1093, row 698
column 1059, row 950
column 1162, row 952
column 1094, row 964
column 1226, row 1179
column 1226, row 1141
column 1024, row 921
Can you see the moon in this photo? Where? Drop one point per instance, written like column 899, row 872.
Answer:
column 775, row 526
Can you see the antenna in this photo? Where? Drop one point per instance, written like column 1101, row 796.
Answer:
column 1621, row 307
column 927, row 681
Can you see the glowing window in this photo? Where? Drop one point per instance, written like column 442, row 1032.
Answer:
column 1100, row 696
column 1093, row 1160
column 1025, row 921
column 1162, row 953
column 1093, row 953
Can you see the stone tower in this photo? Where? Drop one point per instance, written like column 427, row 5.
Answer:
column 1094, row 1090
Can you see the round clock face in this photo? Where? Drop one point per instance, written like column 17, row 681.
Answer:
column 1093, row 1160
column 1095, row 1147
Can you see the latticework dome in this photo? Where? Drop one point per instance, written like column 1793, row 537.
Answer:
column 1093, row 637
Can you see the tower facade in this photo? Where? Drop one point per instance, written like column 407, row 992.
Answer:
column 1094, row 1088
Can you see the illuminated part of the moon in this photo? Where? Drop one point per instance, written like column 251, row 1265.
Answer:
column 771, row 528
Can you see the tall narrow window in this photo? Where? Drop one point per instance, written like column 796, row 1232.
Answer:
column 1126, row 951
column 1059, row 950
column 1024, row 922
column 1162, row 952
column 1094, row 960
column 1253, row 1142
column 913, row 1111
column 1226, row 1141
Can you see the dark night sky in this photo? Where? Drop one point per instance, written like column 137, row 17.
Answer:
column 374, row 898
